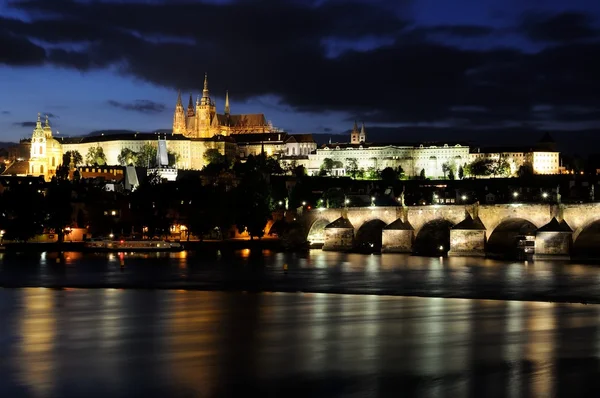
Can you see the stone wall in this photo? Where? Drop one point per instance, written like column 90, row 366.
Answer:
column 552, row 244
column 338, row 239
column 465, row 242
column 397, row 241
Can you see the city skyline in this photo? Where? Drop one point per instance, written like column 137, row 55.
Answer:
column 309, row 66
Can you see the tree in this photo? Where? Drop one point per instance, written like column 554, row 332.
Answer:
column 451, row 175
column 525, row 171
column 501, row 167
column 388, row 175
column 373, row 173
column 22, row 212
column 352, row 167
column 58, row 207
column 400, row 172
column 447, row 168
column 422, row 174
column 174, row 158
column 253, row 207
column 77, row 158
column 482, row 167
column 146, row 157
column 127, row 157
column 95, row 156
column 461, row 173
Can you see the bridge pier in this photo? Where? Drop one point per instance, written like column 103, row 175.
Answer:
column 397, row 237
column 339, row 235
column 467, row 238
column 553, row 241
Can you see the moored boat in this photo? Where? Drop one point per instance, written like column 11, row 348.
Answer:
column 127, row 245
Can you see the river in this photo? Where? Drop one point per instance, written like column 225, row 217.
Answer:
column 135, row 326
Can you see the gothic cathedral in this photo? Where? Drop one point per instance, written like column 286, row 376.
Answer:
column 203, row 121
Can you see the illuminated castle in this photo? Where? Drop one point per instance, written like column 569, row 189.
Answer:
column 203, row 121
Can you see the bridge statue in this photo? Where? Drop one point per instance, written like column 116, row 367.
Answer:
column 592, row 193
column 287, row 204
column 402, row 197
column 558, row 194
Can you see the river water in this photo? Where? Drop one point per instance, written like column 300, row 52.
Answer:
column 90, row 339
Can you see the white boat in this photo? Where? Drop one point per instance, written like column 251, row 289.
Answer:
column 134, row 245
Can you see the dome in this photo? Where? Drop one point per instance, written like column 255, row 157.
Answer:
column 53, row 145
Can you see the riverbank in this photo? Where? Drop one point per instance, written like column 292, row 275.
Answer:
column 209, row 245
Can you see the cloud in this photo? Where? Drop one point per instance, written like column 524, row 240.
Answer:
column 405, row 74
column 142, row 106
column 5, row 112
column 24, row 124
column 563, row 27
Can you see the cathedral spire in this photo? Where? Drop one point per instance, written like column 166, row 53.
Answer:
column 179, row 103
column 47, row 122
column 205, row 91
column 355, row 128
column 38, row 124
column 191, row 102
column 227, row 102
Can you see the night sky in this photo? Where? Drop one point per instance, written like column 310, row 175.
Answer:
column 471, row 66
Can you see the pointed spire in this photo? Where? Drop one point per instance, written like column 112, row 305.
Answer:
column 355, row 128
column 179, row 103
column 38, row 124
column 198, row 101
column 191, row 102
column 205, row 91
column 362, row 129
column 227, row 102
column 47, row 122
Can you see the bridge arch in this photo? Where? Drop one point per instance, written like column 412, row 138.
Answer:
column 502, row 238
column 433, row 238
column 586, row 240
column 316, row 232
column 369, row 234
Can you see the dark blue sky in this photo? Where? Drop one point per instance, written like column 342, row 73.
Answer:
column 310, row 66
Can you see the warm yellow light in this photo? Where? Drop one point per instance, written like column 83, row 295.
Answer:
column 114, row 213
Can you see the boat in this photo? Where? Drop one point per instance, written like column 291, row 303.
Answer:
column 525, row 247
column 132, row 245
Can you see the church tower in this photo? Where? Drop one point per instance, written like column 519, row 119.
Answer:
column 363, row 135
column 227, row 111
column 205, row 112
column 38, row 160
column 354, row 135
column 179, row 125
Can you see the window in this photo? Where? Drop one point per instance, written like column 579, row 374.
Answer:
column 53, row 162
column 41, row 151
column 41, row 169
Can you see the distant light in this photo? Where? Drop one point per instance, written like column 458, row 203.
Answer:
column 372, row 197
column 515, row 194
column 303, row 203
column 114, row 213
column 280, row 203
column 441, row 248
column 464, row 197
column 347, row 201
column 545, row 195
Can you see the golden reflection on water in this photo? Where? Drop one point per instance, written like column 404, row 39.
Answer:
column 199, row 338
column 36, row 359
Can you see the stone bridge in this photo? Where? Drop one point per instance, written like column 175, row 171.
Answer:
column 559, row 229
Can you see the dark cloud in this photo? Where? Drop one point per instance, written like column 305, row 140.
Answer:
column 563, row 27
column 142, row 106
column 465, row 31
column 280, row 48
column 5, row 112
column 25, row 124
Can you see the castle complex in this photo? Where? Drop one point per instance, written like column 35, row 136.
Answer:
column 203, row 121
column 200, row 128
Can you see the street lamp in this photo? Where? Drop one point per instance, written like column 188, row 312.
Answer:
column 515, row 195
column 280, row 203
column 545, row 195
column 303, row 203
column 372, row 200
column 463, row 198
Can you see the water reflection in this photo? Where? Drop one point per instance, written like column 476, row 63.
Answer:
column 102, row 342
